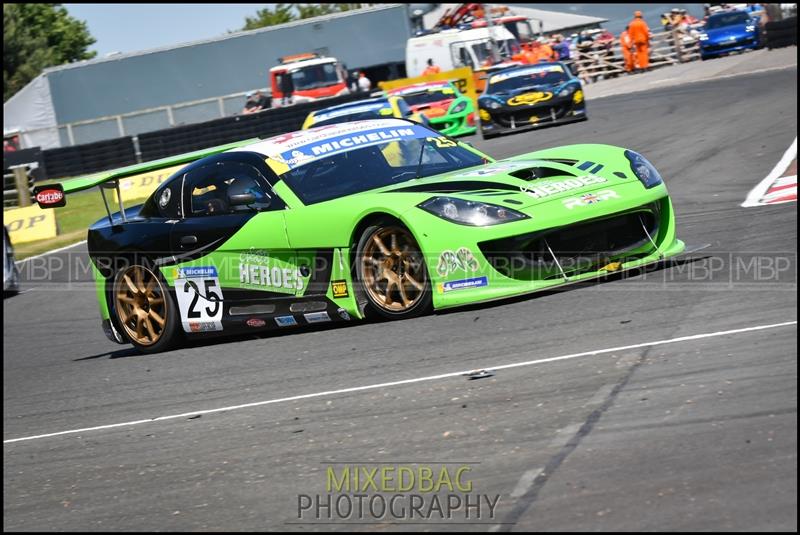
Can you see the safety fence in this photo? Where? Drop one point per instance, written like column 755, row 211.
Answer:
column 606, row 60
column 17, row 186
column 109, row 154
column 22, row 217
column 21, row 169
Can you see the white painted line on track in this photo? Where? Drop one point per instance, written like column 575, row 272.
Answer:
column 525, row 482
column 663, row 80
column 18, row 262
column 755, row 195
column 407, row 381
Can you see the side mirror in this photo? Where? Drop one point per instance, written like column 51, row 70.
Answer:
column 241, row 199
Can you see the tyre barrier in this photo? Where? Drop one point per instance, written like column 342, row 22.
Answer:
column 781, row 33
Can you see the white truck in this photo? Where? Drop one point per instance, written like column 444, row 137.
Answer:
column 451, row 49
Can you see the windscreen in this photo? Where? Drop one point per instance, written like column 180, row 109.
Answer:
column 727, row 19
column 529, row 77
column 373, row 110
column 426, row 96
column 315, row 76
column 505, row 48
column 375, row 166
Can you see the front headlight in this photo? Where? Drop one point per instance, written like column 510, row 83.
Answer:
column 643, row 169
column 458, row 108
column 492, row 104
column 476, row 214
column 565, row 92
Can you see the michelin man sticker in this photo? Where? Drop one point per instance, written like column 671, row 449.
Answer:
column 199, row 298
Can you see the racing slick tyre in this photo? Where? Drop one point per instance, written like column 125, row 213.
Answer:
column 391, row 278
column 144, row 308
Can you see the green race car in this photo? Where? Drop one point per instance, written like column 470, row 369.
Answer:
column 448, row 111
column 380, row 218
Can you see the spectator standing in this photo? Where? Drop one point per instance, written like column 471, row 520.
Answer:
column 666, row 22
column 10, row 145
column 605, row 44
column 561, row 47
column 431, row 68
column 675, row 17
column 546, row 52
column 520, row 56
column 585, row 41
column 532, row 53
column 286, row 87
column 364, row 83
column 640, row 35
column 626, row 45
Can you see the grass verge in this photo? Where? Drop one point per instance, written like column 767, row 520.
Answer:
column 73, row 220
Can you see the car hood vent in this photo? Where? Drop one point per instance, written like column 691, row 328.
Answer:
column 535, row 173
column 456, row 186
column 565, row 161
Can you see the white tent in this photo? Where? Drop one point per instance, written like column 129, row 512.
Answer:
column 30, row 114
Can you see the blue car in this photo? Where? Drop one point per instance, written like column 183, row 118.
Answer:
column 530, row 96
column 729, row 31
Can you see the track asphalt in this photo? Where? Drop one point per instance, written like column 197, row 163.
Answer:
column 698, row 434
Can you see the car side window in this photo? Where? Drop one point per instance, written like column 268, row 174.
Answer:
column 227, row 187
column 460, row 55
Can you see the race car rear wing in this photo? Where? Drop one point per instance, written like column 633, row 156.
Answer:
column 54, row 195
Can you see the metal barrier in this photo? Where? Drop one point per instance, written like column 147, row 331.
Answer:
column 112, row 153
column 15, row 179
column 601, row 61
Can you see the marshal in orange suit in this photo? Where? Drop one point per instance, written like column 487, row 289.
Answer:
column 640, row 35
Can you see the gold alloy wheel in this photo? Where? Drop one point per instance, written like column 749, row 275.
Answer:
column 141, row 304
column 393, row 269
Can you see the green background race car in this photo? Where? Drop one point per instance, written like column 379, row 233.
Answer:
column 448, row 111
column 383, row 218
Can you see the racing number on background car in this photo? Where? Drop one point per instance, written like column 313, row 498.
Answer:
column 461, row 85
column 443, row 142
column 199, row 299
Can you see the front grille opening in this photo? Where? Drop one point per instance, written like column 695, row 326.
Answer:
column 523, row 118
column 535, row 173
column 579, row 248
column 742, row 42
